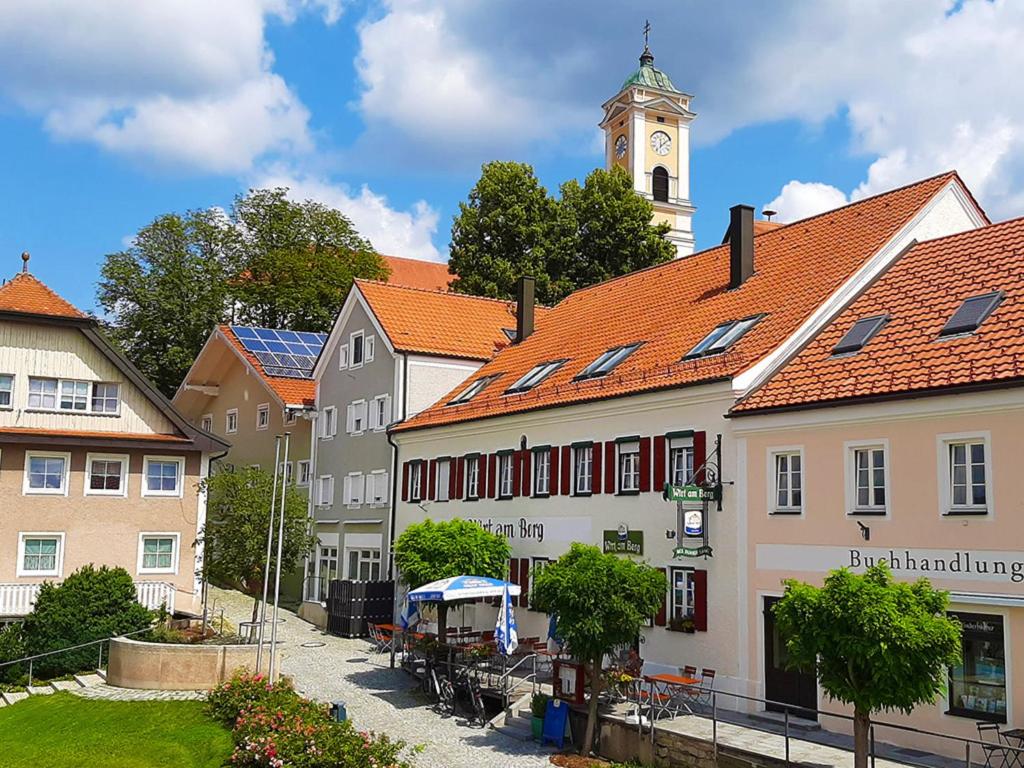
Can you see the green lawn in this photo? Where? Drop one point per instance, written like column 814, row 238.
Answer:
column 65, row 731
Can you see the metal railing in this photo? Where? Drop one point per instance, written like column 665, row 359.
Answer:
column 971, row 748
column 506, row 675
column 99, row 663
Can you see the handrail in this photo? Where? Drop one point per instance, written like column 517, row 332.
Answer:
column 532, row 677
column 32, row 658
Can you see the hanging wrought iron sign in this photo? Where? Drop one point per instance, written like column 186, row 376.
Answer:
column 693, row 500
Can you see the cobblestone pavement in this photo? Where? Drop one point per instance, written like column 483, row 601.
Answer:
column 110, row 693
column 382, row 699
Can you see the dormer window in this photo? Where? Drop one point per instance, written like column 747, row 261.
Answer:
column 723, row 337
column 860, row 334
column 535, row 376
column 473, row 390
column 971, row 314
column 607, row 362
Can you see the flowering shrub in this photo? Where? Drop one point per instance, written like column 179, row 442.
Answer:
column 274, row 726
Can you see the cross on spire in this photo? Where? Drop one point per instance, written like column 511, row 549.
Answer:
column 647, row 30
column 647, row 58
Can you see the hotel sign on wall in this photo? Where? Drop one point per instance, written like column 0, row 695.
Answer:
column 623, row 541
column 537, row 529
column 949, row 564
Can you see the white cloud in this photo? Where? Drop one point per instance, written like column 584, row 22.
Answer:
column 398, row 233
column 799, row 199
column 182, row 82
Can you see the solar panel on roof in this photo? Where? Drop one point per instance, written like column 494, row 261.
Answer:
column 971, row 313
column 283, row 353
column 860, row 334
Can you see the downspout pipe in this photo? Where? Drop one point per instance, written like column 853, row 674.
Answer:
column 395, row 464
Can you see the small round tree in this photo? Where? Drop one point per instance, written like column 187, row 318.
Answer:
column 430, row 551
column 876, row 643
column 235, row 538
column 601, row 601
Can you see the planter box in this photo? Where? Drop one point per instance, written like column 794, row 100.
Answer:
column 178, row 667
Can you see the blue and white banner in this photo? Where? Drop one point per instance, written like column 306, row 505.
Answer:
column 505, row 631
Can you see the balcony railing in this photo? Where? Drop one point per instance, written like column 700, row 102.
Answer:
column 18, row 599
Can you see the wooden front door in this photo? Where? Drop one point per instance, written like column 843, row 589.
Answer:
column 782, row 684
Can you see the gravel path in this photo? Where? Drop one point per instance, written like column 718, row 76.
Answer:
column 382, row 699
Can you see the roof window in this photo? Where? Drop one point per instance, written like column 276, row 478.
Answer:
column 971, row 314
column 473, row 390
column 722, row 337
column 607, row 362
column 860, row 334
column 535, row 376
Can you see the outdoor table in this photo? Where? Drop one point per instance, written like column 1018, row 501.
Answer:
column 665, row 690
column 1015, row 738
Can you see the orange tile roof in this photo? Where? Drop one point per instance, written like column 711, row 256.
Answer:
column 672, row 306
column 74, row 433
column 416, row 273
column 25, row 293
column 436, row 323
column 290, row 391
column 919, row 293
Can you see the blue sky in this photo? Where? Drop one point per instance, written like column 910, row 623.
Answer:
column 111, row 117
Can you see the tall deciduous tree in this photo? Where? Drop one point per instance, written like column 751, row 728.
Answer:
column 601, row 601
column 235, row 538
column 430, row 551
column 165, row 292
column 876, row 643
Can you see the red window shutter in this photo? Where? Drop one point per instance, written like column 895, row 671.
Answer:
column 513, row 570
column 700, row 600
column 596, row 455
column 553, row 475
column 524, row 582
column 432, row 480
column 492, row 463
column 645, row 464
column 405, row 481
column 566, row 470
column 456, row 478
column 517, row 472
column 659, row 462
column 700, row 454
column 659, row 617
column 527, row 479
column 609, row 467
column 481, row 483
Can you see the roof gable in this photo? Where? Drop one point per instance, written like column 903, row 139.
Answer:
column 26, row 294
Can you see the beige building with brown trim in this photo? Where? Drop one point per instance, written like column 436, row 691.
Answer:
column 96, row 466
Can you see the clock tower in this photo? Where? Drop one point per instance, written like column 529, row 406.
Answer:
column 647, row 132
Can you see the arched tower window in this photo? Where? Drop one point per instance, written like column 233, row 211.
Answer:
column 659, row 184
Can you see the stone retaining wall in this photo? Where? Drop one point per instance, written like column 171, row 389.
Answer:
column 177, row 667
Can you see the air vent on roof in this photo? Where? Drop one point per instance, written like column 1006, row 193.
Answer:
column 535, row 376
column 606, row 362
column 860, row 334
column 971, row 314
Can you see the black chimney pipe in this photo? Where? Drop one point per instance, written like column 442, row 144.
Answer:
column 741, row 244
column 524, row 307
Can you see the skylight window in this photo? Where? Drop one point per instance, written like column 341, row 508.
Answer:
column 535, row 376
column 723, row 337
column 607, row 362
column 473, row 390
column 860, row 334
column 971, row 314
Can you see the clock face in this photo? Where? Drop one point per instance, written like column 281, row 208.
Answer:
column 620, row 147
column 661, row 142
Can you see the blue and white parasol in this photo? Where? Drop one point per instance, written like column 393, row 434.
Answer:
column 505, row 631
column 461, row 588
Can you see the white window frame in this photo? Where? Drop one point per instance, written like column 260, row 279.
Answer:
column 578, row 452
column 945, row 471
column 328, row 423
column 417, row 470
column 263, row 412
column 90, row 393
column 325, row 491
column 206, row 422
column 302, row 473
column 678, row 444
column 352, row 481
column 773, row 480
column 369, row 348
column 472, row 478
column 850, row 449
column 356, row 411
column 443, row 480
column 289, row 417
column 58, row 571
column 378, row 421
column 541, row 485
column 175, row 552
column 90, row 458
column 689, row 594
column 10, row 393
column 371, row 560
column 231, row 414
column 378, row 477
column 65, row 481
column 285, row 469
column 506, row 475
column 178, row 492
column 352, row 348
column 343, row 357
column 627, row 450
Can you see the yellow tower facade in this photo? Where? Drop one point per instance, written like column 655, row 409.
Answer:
column 647, row 132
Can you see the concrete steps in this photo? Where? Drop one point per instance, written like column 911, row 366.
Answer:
column 86, row 680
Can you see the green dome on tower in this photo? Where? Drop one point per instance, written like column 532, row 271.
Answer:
column 648, row 76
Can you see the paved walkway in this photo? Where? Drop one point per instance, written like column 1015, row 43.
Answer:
column 378, row 698
column 110, row 693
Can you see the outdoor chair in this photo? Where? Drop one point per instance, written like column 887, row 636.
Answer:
column 703, row 697
column 995, row 745
column 688, row 671
column 381, row 641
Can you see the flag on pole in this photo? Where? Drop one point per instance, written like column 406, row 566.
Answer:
column 505, row 632
column 554, row 643
column 410, row 615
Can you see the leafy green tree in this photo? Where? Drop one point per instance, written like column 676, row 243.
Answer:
column 165, row 292
column 235, row 538
column 601, row 601
column 294, row 263
column 500, row 232
column 603, row 230
column 430, row 551
column 876, row 643
column 90, row 604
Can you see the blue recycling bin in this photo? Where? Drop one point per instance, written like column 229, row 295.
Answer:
column 339, row 713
